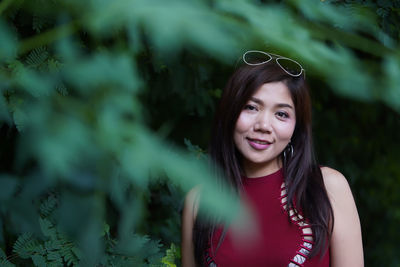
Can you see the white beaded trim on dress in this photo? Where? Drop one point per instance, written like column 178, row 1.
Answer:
column 307, row 235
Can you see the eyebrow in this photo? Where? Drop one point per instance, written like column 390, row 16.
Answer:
column 260, row 102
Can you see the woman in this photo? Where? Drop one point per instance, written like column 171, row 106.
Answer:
column 304, row 214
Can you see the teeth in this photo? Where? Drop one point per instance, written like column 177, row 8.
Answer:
column 260, row 142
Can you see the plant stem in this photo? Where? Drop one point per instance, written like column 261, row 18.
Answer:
column 47, row 37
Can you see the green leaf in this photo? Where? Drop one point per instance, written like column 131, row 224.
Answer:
column 196, row 24
column 49, row 205
column 8, row 44
column 26, row 245
column 103, row 69
column 39, row 260
column 4, row 261
column 139, row 246
column 171, row 255
column 47, row 228
column 69, row 256
column 37, row 57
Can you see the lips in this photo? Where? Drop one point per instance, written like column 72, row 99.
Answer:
column 258, row 144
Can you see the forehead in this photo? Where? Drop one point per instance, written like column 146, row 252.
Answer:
column 274, row 92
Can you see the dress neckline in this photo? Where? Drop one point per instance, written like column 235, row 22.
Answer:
column 269, row 177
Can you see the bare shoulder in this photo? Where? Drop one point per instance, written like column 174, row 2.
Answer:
column 335, row 182
column 188, row 219
column 192, row 201
column 346, row 241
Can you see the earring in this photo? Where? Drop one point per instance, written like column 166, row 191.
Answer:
column 291, row 150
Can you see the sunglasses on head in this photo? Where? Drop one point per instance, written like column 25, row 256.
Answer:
column 290, row 66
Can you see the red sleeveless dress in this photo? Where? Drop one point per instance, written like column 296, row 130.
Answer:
column 273, row 239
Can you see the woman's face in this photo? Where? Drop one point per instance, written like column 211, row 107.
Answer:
column 264, row 128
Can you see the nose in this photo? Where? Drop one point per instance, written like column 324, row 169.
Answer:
column 263, row 124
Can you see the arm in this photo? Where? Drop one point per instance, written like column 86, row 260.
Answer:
column 188, row 218
column 346, row 242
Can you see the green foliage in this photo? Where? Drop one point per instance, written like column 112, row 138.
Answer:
column 26, row 245
column 171, row 254
column 48, row 206
column 55, row 249
column 8, row 44
column 37, row 58
column 97, row 96
column 4, row 261
column 196, row 150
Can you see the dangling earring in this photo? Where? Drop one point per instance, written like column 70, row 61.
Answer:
column 290, row 148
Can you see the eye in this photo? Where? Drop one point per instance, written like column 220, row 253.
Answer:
column 282, row 114
column 250, row 107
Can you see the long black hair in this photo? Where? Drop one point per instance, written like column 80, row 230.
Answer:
column 302, row 174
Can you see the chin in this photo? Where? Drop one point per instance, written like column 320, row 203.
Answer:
column 259, row 161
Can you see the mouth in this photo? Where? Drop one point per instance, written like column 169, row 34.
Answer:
column 258, row 144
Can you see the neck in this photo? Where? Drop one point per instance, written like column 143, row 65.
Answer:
column 253, row 170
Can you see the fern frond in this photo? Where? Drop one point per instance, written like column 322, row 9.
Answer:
column 39, row 260
column 142, row 245
column 26, row 246
column 54, row 264
column 4, row 261
column 76, row 252
column 54, row 256
column 47, row 228
column 59, row 250
column 53, row 245
column 37, row 57
column 49, row 205
column 152, row 247
column 70, row 258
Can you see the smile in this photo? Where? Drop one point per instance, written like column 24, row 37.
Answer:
column 258, row 144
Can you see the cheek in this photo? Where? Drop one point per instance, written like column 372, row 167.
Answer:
column 242, row 124
column 285, row 131
column 241, row 128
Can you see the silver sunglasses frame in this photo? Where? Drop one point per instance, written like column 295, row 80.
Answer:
column 277, row 57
